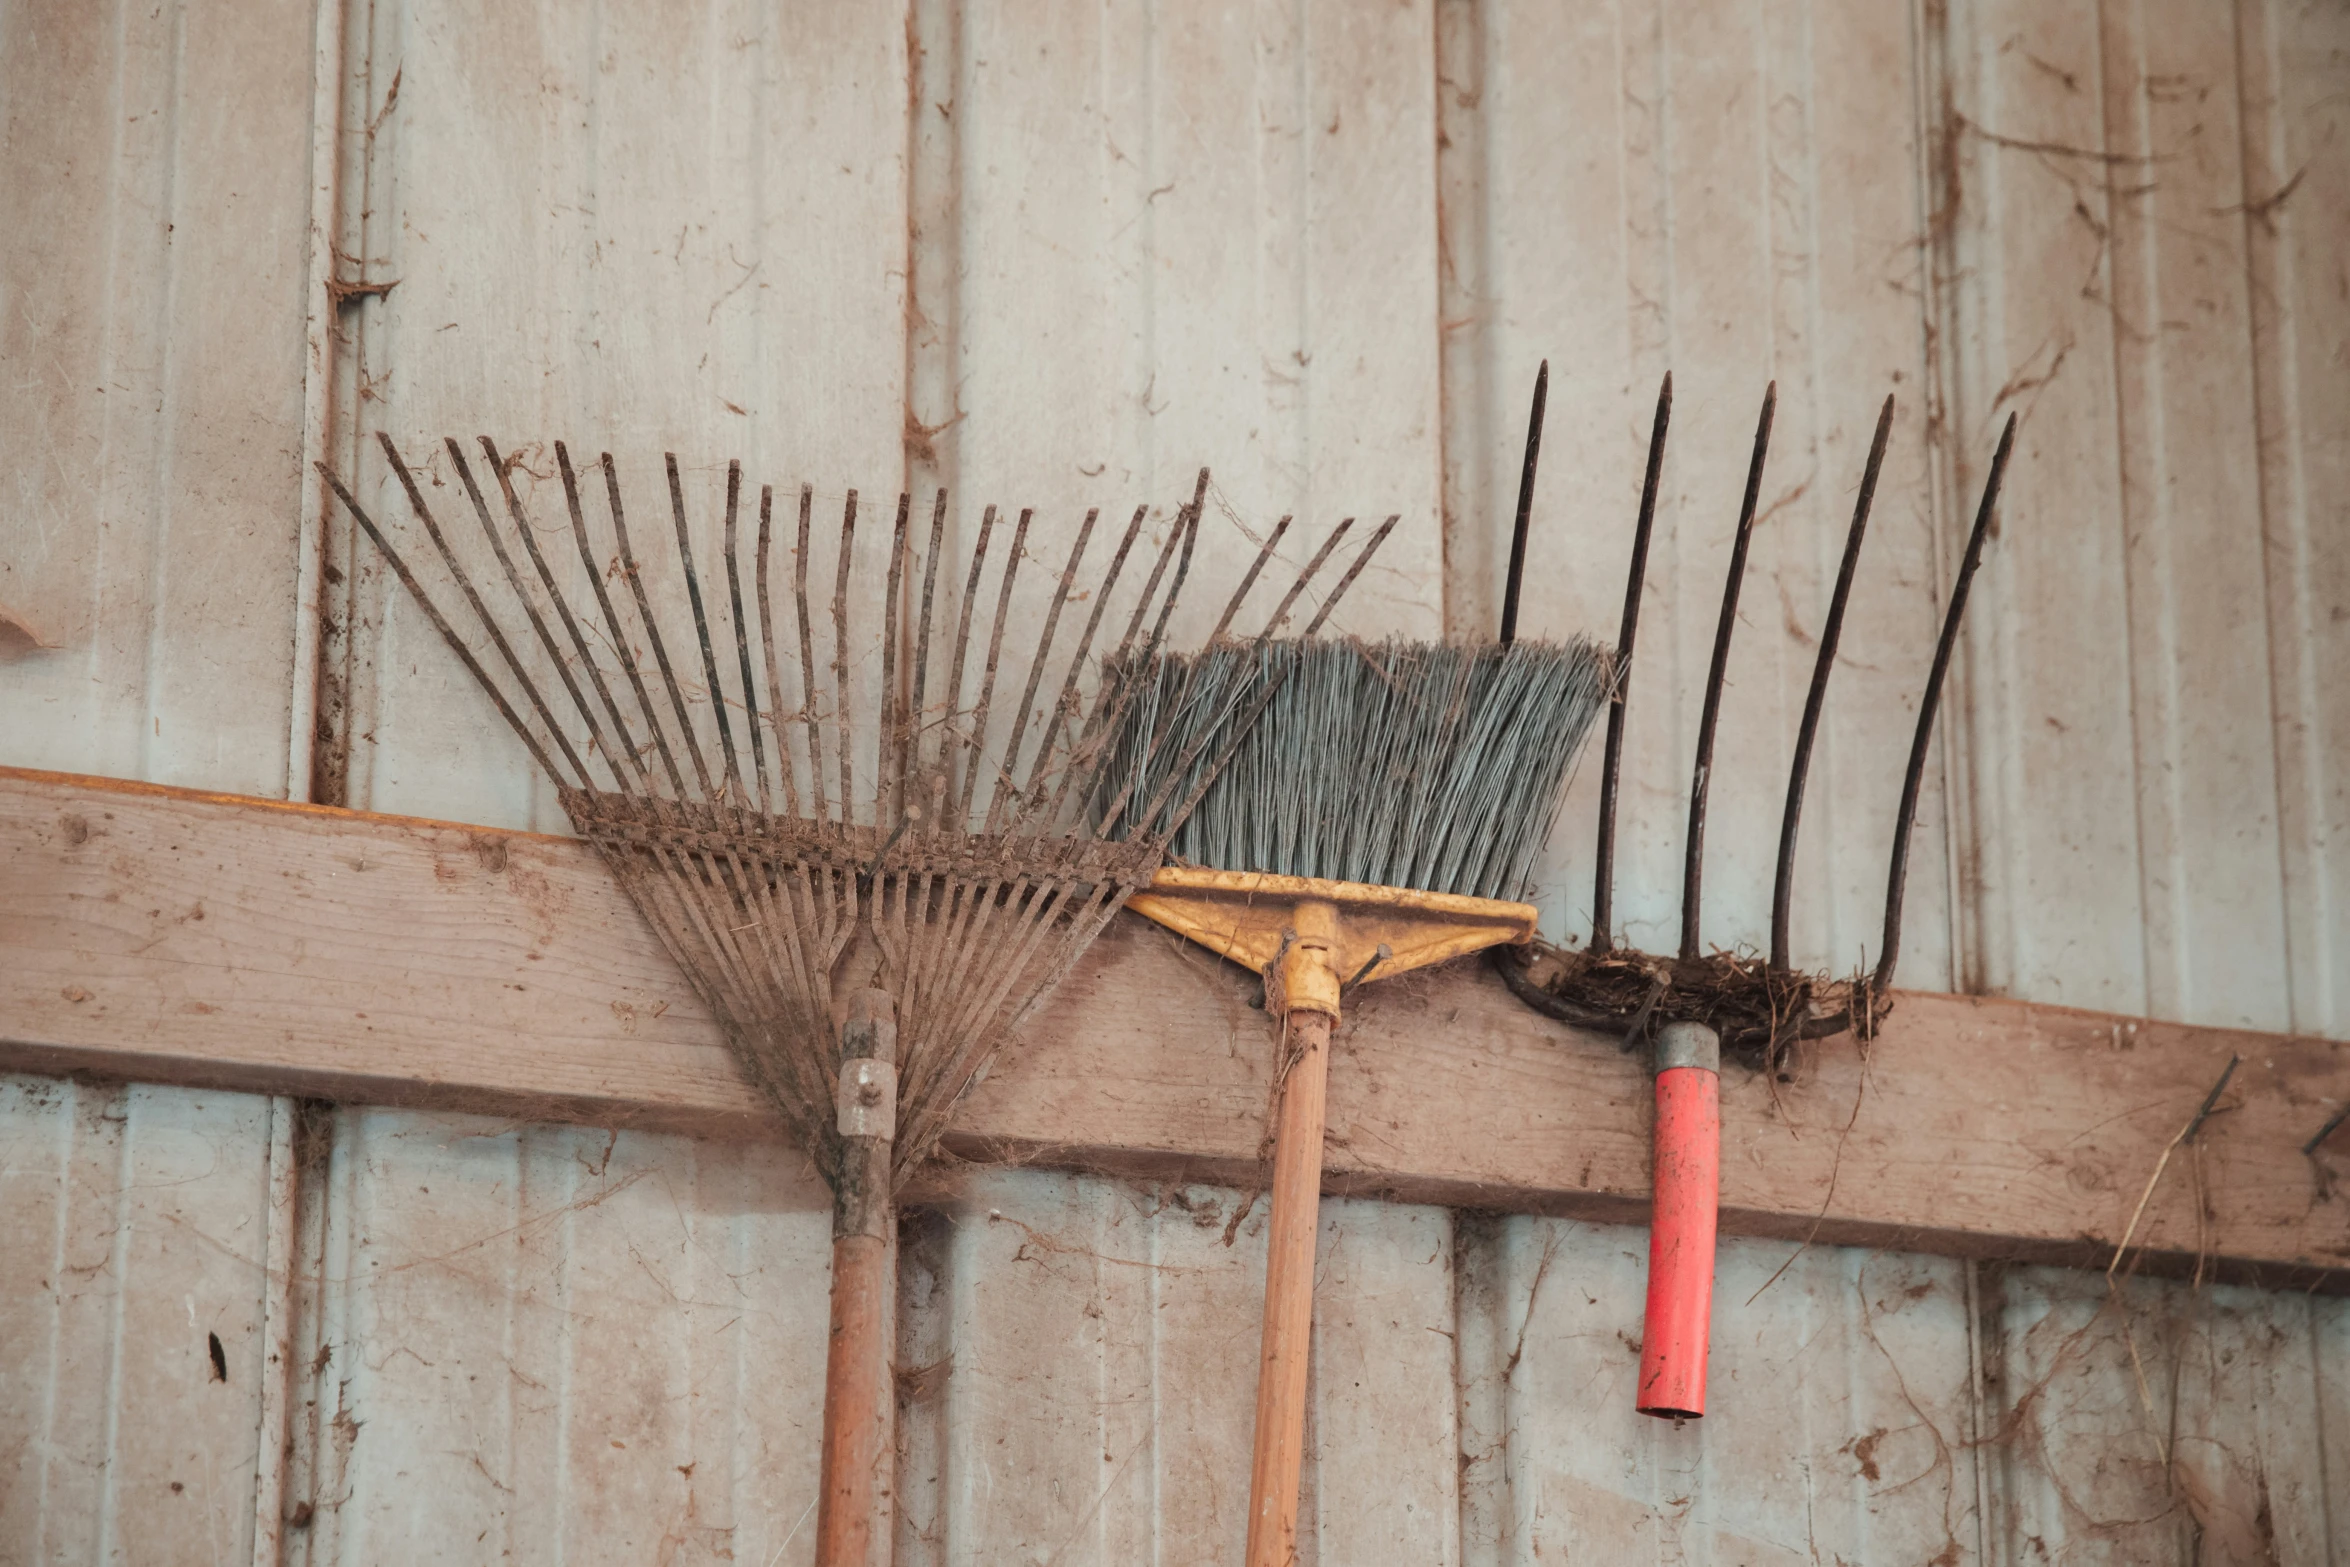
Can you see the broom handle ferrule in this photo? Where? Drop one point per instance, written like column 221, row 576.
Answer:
column 1289, row 1293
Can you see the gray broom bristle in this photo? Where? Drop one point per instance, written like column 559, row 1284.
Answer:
column 1400, row 764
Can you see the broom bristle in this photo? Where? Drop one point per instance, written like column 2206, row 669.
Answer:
column 1396, row 763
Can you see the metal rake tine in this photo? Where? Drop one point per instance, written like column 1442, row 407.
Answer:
column 938, row 524
column 578, row 639
column 1187, row 525
column 1603, row 891
column 808, row 662
column 1517, row 574
column 1105, row 725
column 1113, row 694
column 1248, row 580
column 481, row 611
column 958, row 733
column 844, row 709
column 644, row 609
column 1362, row 559
column 995, row 643
column 742, row 633
column 1066, row 705
column 1693, row 866
column 1897, row 876
column 693, row 594
column 1297, row 589
column 538, row 624
column 1783, row 886
column 440, row 622
column 783, row 767
column 1007, row 796
column 889, row 757
column 619, row 632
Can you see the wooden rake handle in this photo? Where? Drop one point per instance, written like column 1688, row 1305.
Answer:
column 1289, row 1294
column 852, row 1490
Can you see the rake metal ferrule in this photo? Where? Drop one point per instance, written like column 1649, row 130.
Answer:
column 1309, row 937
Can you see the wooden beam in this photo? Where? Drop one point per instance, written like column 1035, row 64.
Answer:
column 208, row 940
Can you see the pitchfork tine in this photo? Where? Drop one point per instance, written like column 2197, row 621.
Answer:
column 1783, row 888
column 1603, row 889
column 1517, row 576
column 1897, row 876
column 1693, row 868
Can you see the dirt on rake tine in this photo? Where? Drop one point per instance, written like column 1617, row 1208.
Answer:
column 615, row 632
column 644, row 607
column 742, row 637
column 693, row 593
column 783, row 761
column 843, row 706
column 959, row 736
column 808, row 659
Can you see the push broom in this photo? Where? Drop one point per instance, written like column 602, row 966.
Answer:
column 1383, row 816
column 867, row 904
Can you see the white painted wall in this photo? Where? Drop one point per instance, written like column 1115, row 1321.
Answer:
column 1059, row 257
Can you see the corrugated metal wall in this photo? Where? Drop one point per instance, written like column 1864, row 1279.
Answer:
column 1058, row 257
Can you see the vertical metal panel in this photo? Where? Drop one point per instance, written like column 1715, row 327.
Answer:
column 151, row 312
column 133, row 1223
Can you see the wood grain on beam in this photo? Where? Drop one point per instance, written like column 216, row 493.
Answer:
column 209, row 940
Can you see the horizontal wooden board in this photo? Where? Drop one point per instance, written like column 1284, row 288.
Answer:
column 173, row 937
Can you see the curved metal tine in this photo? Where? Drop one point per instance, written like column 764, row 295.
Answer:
column 612, row 625
column 783, row 765
column 889, row 756
column 1189, row 528
column 1783, row 886
column 742, row 636
column 498, row 640
column 918, row 722
column 1517, row 575
column 597, row 744
column 538, row 560
column 956, row 740
column 799, row 573
column 1107, row 724
column 693, row 594
column 1362, row 559
column 995, row 644
column 1897, row 875
column 843, row 708
column 1004, row 806
column 1160, row 801
column 1041, row 771
column 644, row 609
column 440, row 623
column 1693, row 867
column 1603, row 891
column 1113, row 692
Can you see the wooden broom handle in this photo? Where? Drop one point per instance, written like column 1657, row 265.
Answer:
column 857, row 1382
column 1289, row 1295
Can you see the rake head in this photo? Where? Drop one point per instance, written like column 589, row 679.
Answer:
column 808, row 793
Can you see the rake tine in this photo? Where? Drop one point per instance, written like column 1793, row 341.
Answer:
column 1783, row 888
column 843, row 707
column 498, row 640
column 808, row 663
column 1603, row 889
column 1897, row 876
column 644, row 607
column 995, row 643
column 1313, row 568
column 538, row 561
column 1007, row 796
column 693, row 594
column 1188, row 525
column 1066, row 706
column 440, row 622
column 1110, row 700
column 619, row 633
column 1248, row 580
column 742, row 634
column 917, row 723
column 1692, row 871
column 958, row 734
column 1362, row 559
column 1517, row 576
column 1106, row 723
column 889, row 758
column 538, row 624
column 783, row 767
